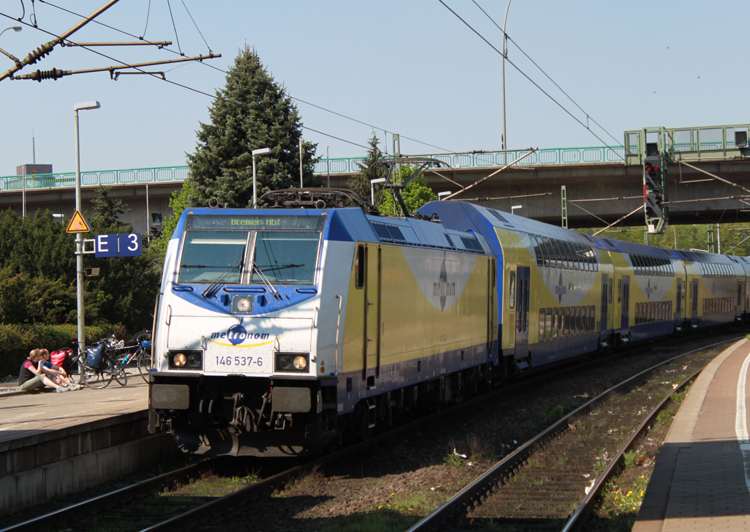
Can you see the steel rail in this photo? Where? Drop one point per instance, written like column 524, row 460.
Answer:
column 481, row 488
column 84, row 509
column 576, row 519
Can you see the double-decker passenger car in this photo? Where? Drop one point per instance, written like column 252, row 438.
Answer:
column 565, row 293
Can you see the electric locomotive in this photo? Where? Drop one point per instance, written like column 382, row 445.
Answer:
column 276, row 331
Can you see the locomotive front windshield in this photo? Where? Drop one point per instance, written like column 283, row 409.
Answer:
column 246, row 249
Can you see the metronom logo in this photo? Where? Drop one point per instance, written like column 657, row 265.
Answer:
column 237, row 334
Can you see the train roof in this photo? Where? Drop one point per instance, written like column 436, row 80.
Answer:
column 464, row 215
column 352, row 224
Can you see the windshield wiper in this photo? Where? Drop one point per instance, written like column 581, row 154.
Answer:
column 266, row 282
column 214, row 287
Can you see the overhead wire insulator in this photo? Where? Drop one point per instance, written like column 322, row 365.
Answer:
column 37, row 54
column 39, row 75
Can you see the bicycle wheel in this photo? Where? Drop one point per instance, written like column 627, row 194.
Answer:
column 76, row 373
column 99, row 378
column 144, row 364
column 118, row 372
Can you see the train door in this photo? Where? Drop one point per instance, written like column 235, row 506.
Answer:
column 694, row 295
column 522, row 311
column 678, row 303
column 605, row 286
column 372, row 309
column 625, row 310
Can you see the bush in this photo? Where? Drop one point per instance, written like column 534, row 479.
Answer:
column 17, row 340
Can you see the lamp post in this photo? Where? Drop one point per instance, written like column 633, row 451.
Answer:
column 505, row 54
column 79, row 237
column 14, row 28
column 442, row 194
column 9, row 56
column 259, row 151
column 372, row 188
column 514, row 207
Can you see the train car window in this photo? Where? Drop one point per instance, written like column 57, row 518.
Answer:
column 619, row 290
column 566, row 322
column 512, row 290
column 542, row 322
column 611, row 285
column 211, row 256
column 547, row 253
column 549, row 326
column 555, row 322
column 359, row 267
column 286, row 257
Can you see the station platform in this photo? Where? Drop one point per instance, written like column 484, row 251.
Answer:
column 25, row 414
column 701, row 480
column 53, row 444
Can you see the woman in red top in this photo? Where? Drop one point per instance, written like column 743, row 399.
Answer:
column 32, row 377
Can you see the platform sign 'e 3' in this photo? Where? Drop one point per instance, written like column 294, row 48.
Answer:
column 118, row 245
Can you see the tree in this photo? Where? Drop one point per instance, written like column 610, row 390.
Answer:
column 360, row 182
column 107, row 209
column 180, row 200
column 252, row 111
column 416, row 193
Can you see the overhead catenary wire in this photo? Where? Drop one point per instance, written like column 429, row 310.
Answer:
column 542, row 71
column 529, row 78
column 192, row 89
column 385, row 130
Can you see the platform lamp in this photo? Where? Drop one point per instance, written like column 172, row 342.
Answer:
column 79, row 237
column 441, row 195
column 372, row 188
column 514, row 207
column 259, row 151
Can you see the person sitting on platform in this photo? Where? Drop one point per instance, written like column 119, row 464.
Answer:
column 56, row 373
column 32, row 377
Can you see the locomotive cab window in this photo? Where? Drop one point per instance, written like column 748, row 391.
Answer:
column 209, row 257
column 248, row 248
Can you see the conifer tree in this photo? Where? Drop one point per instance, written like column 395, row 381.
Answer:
column 360, row 182
column 252, row 111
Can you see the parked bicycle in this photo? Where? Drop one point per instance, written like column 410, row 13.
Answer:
column 141, row 357
column 98, row 366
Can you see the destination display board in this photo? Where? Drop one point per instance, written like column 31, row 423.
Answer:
column 228, row 222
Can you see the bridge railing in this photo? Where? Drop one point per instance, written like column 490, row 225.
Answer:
column 596, row 154
column 103, row 177
column 336, row 166
column 694, row 143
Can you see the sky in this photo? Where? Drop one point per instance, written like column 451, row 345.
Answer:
column 358, row 67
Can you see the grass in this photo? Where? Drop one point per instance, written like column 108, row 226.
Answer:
column 385, row 520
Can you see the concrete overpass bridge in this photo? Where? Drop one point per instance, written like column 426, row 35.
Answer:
column 708, row 174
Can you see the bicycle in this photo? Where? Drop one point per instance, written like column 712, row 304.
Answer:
column 141, row 357
column 91, row 368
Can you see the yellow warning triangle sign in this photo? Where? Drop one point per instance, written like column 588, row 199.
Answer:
column 78, row 224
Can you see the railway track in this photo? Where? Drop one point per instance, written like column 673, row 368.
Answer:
column 190, row 505
column 552, row 481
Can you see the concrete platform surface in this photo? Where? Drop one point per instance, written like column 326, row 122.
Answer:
column 28, row 414
column 701, row 481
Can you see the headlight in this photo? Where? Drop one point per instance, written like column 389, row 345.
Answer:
column 186, row 360
column 293, row 362
column 242, row 304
